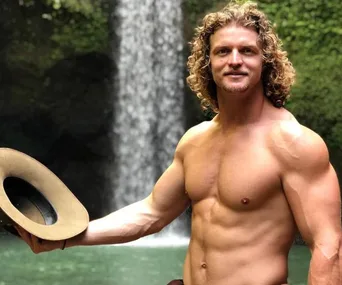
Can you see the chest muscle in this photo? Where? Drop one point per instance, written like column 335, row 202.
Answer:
column 243, row 178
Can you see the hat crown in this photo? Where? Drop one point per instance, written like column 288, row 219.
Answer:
column 29, row 201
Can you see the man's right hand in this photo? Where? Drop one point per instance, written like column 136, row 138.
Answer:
column 38, row 245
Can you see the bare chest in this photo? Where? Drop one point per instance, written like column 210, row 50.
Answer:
column 240, row 177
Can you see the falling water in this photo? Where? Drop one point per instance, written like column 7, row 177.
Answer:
column 149, row 100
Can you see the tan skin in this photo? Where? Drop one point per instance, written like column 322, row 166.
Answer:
column 253, row 175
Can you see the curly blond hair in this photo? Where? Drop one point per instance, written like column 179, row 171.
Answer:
column 278, row 74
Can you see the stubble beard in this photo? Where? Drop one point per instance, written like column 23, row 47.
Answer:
column 235, row 89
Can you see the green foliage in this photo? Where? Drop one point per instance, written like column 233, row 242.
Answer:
column 84, row 32
column 55, row 29
column 79, row 26
column 311, row 31
column 195, row 10
column 73, row 6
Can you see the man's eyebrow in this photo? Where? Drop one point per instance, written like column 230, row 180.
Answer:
column 252, row 46
column 221, row 46
column 242, row 45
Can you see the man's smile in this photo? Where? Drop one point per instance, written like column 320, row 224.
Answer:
column 235, row 74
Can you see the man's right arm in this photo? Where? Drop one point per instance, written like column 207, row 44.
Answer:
column 148, row 216
column 167, row 201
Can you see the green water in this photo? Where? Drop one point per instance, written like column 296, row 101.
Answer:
column 108, row 265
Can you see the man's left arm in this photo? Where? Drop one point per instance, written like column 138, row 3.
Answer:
column 312, row 190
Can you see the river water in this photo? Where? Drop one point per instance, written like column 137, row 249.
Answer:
column 109, row 265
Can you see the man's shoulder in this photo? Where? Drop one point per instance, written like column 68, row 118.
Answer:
column 295, row 143
column 291, row 132
column 199, row 130
column 194, row 136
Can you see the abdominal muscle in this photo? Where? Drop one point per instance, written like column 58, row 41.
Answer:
column 245, row 248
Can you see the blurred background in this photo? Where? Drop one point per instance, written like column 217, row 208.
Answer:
column 95, row 90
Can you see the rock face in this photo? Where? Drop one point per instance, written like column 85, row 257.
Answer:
column 69, row 127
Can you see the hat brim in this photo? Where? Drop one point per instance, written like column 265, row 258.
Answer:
column 71, row 216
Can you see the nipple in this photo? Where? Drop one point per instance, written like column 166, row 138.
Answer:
column 245, row 201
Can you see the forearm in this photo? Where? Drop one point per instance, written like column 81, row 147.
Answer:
column 125, row 225
column 325, row 267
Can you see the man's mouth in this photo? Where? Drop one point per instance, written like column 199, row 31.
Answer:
column 235, row 73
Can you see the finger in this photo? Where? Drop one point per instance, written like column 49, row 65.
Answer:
column 23, row 234
column 37, row 243
column 31, row 240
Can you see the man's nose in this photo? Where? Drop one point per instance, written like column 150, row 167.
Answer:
column 235, row 58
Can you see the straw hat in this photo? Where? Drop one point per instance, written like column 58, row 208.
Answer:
column 36, row 199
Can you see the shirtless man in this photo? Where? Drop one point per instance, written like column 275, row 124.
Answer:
column 253, row 174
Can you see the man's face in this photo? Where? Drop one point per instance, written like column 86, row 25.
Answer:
column 236, row 59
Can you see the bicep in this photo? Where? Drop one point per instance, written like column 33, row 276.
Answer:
column 168, row 198
column 314, row 197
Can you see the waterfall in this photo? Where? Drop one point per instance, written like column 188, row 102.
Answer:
column 149, row 97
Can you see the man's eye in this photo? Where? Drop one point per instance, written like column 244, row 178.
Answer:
column 247, row 51
column 222, row 51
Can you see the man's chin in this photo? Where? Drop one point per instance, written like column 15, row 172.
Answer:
column 236, row 89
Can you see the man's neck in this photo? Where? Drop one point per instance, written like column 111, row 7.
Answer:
column 238, row 110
